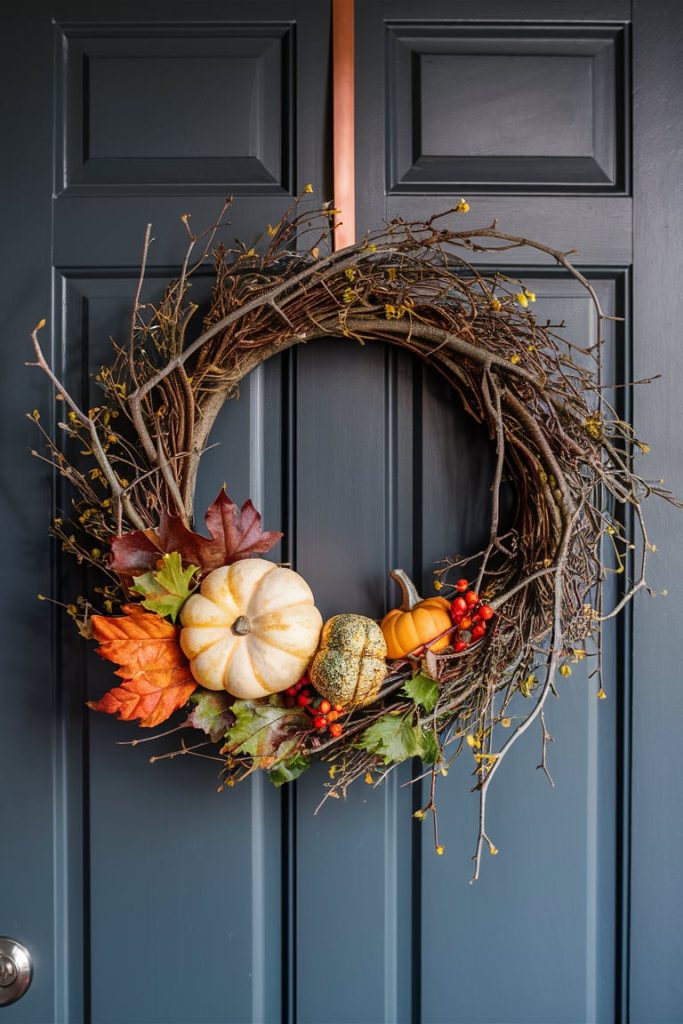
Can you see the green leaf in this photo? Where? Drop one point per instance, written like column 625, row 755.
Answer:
column 423, row 690
column 430, row 751
column 393, row 737
column 264, row 731
column 211, row 714
column 166, row 589
column 289, row 770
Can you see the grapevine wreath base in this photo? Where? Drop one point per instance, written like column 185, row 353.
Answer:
column 208, row 625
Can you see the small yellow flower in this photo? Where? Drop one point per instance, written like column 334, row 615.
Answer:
column 308, row 189
column 531, row 348
column 565, row 670
column 368, row 779
column 315, row 252
column 438, row 585
column 527, row 685
column 522, row 299
column 531, row 296
column 496, row 304
column 271, row 230
column 349, row 273
column 444, row 772
column 348, row 295
column 391, row 273
column 493, row 850
column 332, row 770
column 440, row 850
column 463, row 206
column 489, row 759
column 593, row 425
column 36, row 415
column 506, row 722
column 579, row 653
column 41, row 324
column 601, row 694
column 96, row 553
column 515, row 359
column 643, row 446
column 420, row 815
column 470, row 740
column 252, row 252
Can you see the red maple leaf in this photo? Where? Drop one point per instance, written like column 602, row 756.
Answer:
column 156, row 673
column 234, row 534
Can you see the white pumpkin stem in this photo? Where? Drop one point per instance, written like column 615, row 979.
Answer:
column 241, row 626
column 408, row 589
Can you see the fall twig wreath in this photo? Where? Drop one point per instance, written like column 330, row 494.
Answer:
column 264, row 679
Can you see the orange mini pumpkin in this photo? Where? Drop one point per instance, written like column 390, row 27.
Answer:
column 416, row 622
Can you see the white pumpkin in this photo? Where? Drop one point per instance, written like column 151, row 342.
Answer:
column 251, row 629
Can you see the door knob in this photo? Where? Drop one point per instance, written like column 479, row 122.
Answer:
column 16, row 970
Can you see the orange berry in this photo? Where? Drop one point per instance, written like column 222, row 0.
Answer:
column 472, row 597
column 336, row 729
column 461, row 585
column 324, row 706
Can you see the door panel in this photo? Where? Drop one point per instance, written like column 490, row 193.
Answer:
column 145, row 895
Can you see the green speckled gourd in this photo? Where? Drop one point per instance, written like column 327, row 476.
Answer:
column 349, row 667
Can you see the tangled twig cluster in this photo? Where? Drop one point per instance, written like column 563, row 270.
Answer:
column 560, row 446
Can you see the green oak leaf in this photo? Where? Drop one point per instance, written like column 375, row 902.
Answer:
column 211, row 713
column 430, row 751
column 423, row 690
column 289, row 770
column 393, row 738
column 264, row 731
column 166, row 589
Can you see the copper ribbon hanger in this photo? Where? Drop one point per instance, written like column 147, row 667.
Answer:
column 343, row 122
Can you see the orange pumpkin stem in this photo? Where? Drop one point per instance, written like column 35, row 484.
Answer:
column 408, row 589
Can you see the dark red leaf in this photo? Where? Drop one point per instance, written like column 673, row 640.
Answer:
column 134, row 553
column 234, row 534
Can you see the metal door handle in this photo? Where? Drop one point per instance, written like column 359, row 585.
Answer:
column 16, row 970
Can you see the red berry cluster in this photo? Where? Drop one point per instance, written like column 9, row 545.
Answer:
column 470, row 615
column 324, row 715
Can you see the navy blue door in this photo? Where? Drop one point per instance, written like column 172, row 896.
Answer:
column 142, row 894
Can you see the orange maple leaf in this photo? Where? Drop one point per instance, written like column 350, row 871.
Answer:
column 156, row 673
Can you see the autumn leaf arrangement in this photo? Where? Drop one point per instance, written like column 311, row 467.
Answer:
column 208, row 634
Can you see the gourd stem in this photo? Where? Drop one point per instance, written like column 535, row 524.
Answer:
column 241, row 626
column 408, row 589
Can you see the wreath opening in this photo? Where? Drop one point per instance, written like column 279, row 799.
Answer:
column 206, row 625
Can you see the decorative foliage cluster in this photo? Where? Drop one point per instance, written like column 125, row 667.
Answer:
column 560, row 446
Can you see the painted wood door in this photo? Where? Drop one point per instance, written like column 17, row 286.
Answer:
column 143, row 895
